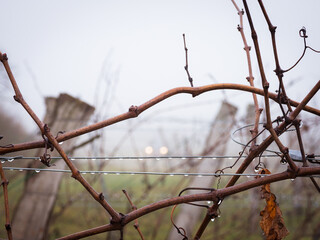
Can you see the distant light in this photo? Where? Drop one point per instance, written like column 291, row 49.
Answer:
column 148, row 150
column 164, row 150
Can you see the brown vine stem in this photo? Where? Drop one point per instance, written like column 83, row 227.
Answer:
column 280, row 129
column 135, row 111
column 186, row 67
column 278, row 70
column 210, row 196
column 265, row 85
column 18, row 96
column 133, row 207
column 4, row 183
column 250, row 78
column 296, row 124
column 255, row 152
column 46, row 131
column 304, row 102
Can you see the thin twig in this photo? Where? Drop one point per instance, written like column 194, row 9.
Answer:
column 250, row 78
column 278, row 70
column 296, row 124
column 4, row 183
column 133, row 207
column 186, row 67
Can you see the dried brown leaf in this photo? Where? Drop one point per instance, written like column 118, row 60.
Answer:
column 271, row 222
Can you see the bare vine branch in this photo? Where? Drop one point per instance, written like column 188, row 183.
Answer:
column 186, row 67
column 4, row 183
column 46, row 131
column 133, row 207
column 215, row 196
column 289, row 118
column 135, row 111
column 250, row 78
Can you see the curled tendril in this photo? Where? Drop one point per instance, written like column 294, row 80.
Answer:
column 46, row 158
column 260, row 165
column 302, row 34
column 219, row 176
column 199, row 189
column 180, row 230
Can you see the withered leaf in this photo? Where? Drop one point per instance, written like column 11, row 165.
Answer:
column 271, row 222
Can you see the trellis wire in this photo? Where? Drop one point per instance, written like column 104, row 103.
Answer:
column 37, row 170
column 119, row 158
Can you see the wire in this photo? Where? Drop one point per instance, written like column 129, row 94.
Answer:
column 38, row 170
column 11, row 159
column 314, row 159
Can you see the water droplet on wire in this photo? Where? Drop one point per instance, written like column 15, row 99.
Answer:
column 11, row 160
column 37, row 170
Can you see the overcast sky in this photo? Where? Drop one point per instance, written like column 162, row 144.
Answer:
column 70, row 45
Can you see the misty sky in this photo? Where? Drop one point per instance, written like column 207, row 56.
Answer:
column 133, row 50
